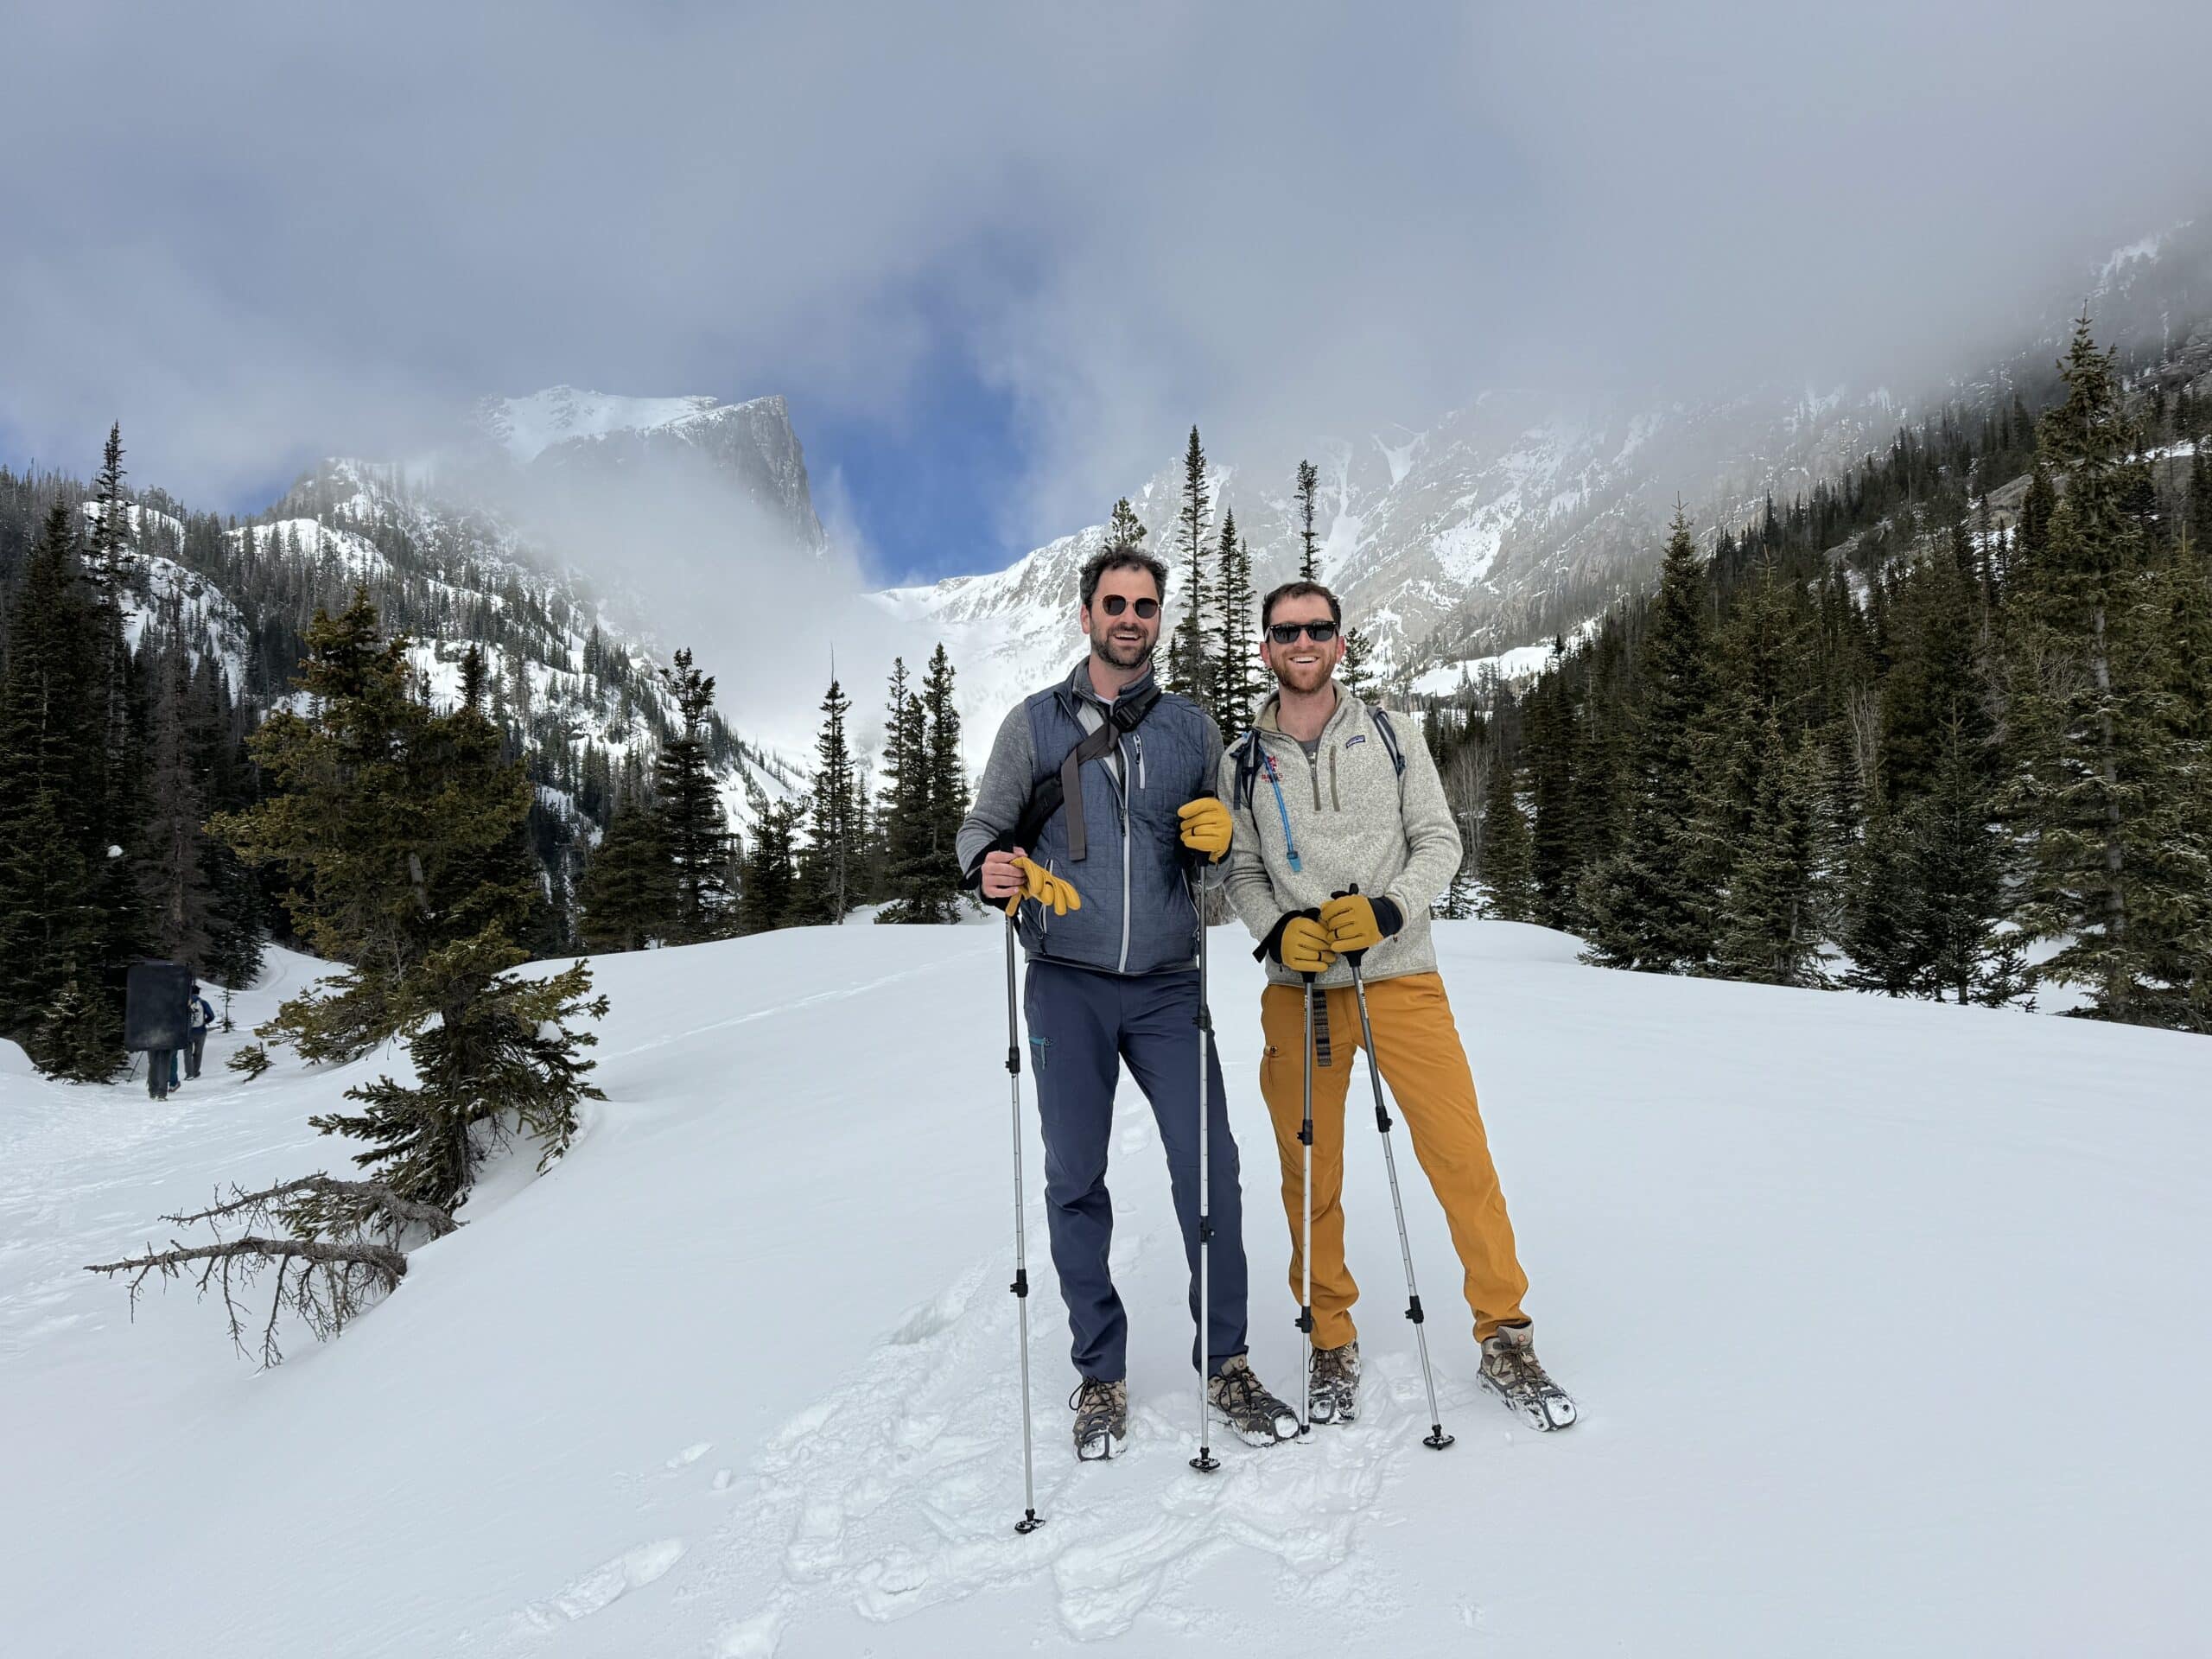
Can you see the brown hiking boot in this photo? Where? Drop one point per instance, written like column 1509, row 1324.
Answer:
column 1335, row 1382
column 1102, row 1416
column 1513, row 1373
column 1256, row 1416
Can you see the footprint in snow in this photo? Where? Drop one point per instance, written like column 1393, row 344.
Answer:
column 607, row 1583
column 897, row 1494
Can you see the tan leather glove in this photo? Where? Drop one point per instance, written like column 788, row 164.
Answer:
column 1047, row 889
column 1206, row 826
column 1304, row 946
column 1355, row 922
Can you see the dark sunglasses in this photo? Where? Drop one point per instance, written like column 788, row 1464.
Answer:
column 1286, row 634
column 1114, row 605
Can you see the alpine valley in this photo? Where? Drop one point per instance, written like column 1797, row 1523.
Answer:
column 1463, row 548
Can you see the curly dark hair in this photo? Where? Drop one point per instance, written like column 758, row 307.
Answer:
column 1122, row 556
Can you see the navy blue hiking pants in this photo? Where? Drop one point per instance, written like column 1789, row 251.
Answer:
column 1082, row 1026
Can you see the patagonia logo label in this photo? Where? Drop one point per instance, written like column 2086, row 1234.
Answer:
column 1355, row 741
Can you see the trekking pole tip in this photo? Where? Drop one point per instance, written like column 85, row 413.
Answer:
column 1029, row 1523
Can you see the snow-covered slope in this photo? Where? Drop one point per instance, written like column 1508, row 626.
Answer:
column 164, row 595
column 1885, row 1318
column 571, row 675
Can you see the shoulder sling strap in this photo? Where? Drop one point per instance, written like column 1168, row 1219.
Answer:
column 1065, row 787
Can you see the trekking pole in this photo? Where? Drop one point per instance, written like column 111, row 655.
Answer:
column 1306, row 1234
column 1436, row 1439
column 1029, row 1519
column 1205, row 1463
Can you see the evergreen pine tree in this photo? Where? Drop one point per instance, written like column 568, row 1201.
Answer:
column 1934, row 683
column 235, row 906
column 108, row 554
column 1235, row 666
column 1882, row 933
column 59, row 942
column 1507, row 875
column 1309, row 555
column 172, row 865
column 1754, row 658
column 402, row 835
column 1644, row 906
column 1957, row 875
column 2032, row 535
column 1552, row 742
column 903, row 810
column 938, row 893
column 2100, row 782
column 1124, row 528
column 1769, row 926
column 693, row 826
column 833, row 858
column 1355, row 671
column 493, row 1053
column 343, row 832
column 1188, row 669
column 770, row 895
column 627, row 893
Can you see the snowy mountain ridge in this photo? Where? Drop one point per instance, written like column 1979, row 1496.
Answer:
column 567, row 438
column 1524, row 514
column 528, row 426
column 576, row 687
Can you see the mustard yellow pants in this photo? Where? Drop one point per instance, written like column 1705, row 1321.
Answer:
column 1426, row 1070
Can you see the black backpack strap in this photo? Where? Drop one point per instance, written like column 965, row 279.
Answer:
column 1247, row 751
column 1389, row 736
column 1065, row 787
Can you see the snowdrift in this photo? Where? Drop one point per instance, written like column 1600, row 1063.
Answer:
column 1886, row 1321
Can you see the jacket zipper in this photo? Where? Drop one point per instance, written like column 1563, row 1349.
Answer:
column 1125, row 875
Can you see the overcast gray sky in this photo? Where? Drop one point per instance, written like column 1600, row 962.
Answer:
column 1010, row 251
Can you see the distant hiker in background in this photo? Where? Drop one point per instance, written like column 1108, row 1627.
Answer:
column 1325, row 798
column 1102, row 783
column 202, row 1016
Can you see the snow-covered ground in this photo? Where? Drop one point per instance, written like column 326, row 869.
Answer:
column 1887, row 1320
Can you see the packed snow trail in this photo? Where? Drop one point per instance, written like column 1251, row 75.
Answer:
column 1834, row 1280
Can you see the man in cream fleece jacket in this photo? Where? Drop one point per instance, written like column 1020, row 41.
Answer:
column 1327, row 797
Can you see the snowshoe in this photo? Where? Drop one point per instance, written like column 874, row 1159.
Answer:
column 1513, row 1373
column 1335, row 1383
column 1253, row 1414
column 1102, row 1417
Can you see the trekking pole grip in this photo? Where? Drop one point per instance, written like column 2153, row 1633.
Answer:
column 1352, row 956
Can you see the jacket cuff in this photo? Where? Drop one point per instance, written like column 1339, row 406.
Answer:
column 971, row 879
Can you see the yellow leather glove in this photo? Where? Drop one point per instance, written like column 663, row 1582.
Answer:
column 1355, row 922
column 1047, row 889
column 1206, row 826
column 1304, row 947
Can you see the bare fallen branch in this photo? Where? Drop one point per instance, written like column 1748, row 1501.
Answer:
column 397, row 1211
column 328, row 1281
